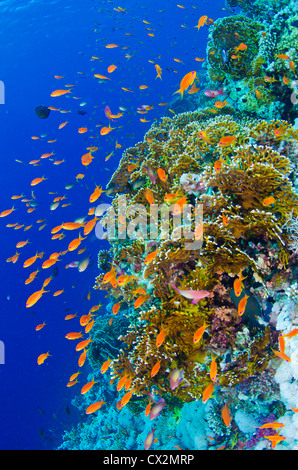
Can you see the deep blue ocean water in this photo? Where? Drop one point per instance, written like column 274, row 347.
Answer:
column 40, row 39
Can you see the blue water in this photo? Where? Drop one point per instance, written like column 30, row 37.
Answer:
column 40, row 39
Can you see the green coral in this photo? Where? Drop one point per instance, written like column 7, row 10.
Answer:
column 226, row 35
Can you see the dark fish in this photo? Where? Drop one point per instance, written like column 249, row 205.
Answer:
column 81, row 112
column 252, row 309
column 137, row 184
column 55, row 271
column 42, row 111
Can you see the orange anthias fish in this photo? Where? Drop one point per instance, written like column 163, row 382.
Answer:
column 94, row 407
column 225, row 413
column 37, row 181
column 75, row 243
column 186, row 82
column 88, row 386
column 242, row 305
column 292, row 333
column 158, row 71
column 42, row 357
column 32, row 260
column 105, row 366
column 7, row 212
column 282, row 355
column 83, row 344
column 155, row 369
column 213, row 369
column 90, row 226
column 227, row 140
column 241, row 47
column 199, row 333
column 105, row 130
column 35, row 297
column 74, row 335
column 238, row 284
column 82, row 358
column 149, row 196
column 160, row 338
column 96, row 194
column 60, row 93
column 274, row 425
column 275, row 439
column 207, row 392
column 86, row 159
column 149, row 258
column 268, row 201
column 202, row 21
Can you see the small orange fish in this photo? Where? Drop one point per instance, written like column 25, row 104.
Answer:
column 158, row 71
column 160, row 338
column 282, row 56
column 96, row 194
column 207, row 392
column 105, row 130
column 140, row 300
column 90, row 226
column 275, row 439
column 121, row 383
column 105, row 366
column 155, row 369
column 83, row 344
column 199, row 333
column 220, row 104
column 238, row 284
column 258, row 94
column 37, row 181
column 63, row 124
column 292, row 333
column 88, row 386
column 125, row 399
column 282, row 355
column 94, row 407
column 149, row 258
column 111, row 46
column 74, row 335
column 58, row 292
column 225, row 413
column 32, row 260
column 21, row 244
column 112, row 68
column 82, row 358
column 7, row 212
column 213, row 369
column 186, row 82
column 241, row 47
column 35, row 297
column 73, row 245
column 274, row 425
column 226, row 140
column 162, row 175
column 116, row 308
column 86, row 159
column 268, row 201
column 82, row 130
column 42, row 357
column 60, row 92
column 40, row 326
column 242, row 305
column 202, row 21
column 149, row 196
